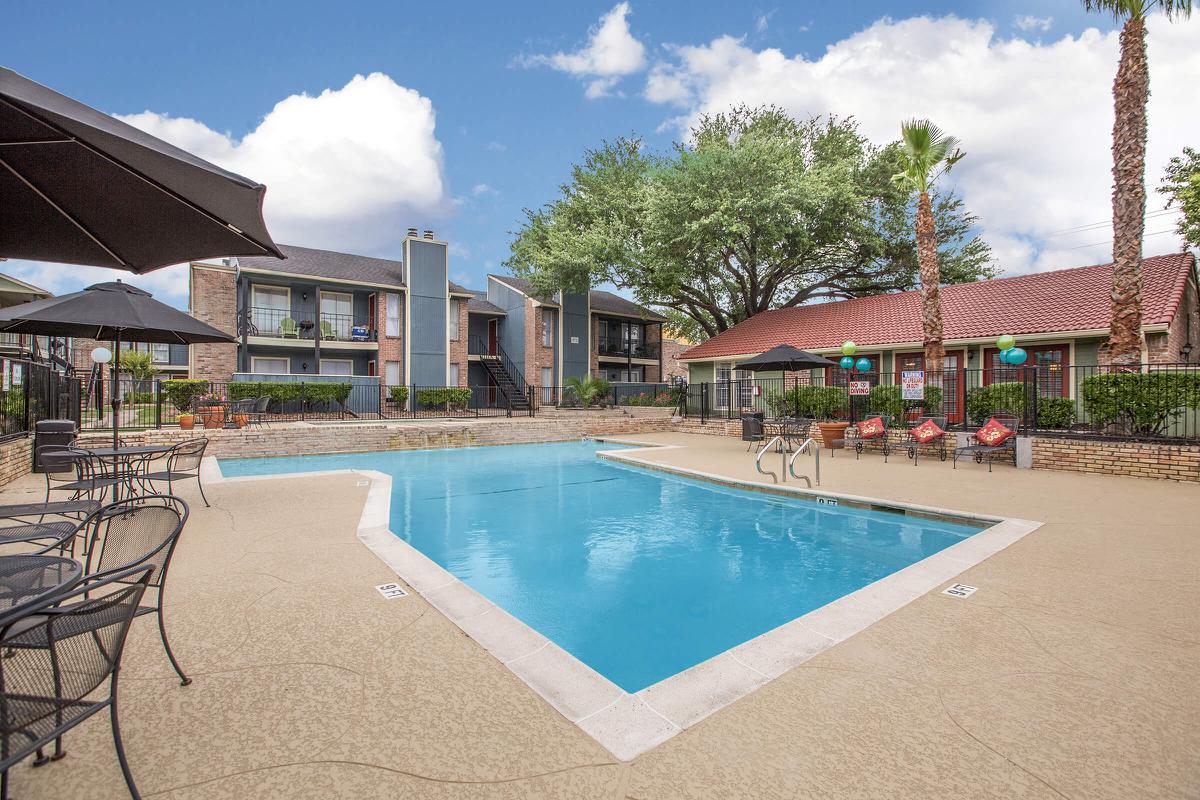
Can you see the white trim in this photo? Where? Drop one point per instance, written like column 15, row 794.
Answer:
column 255, row 359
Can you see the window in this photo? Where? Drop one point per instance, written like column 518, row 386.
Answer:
column 740, row 380
column 337, row 314
column 454, row 320
column 391, row 373
column 393, row 314
column 337, row 366
column 269, row 366
column 161, row 353
column 453, row 379
column 547, row 327
column 269, row 306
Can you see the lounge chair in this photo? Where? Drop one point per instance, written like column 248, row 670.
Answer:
column 288, row 329
column 927, row 434
column 980, row 448
column 873, row 433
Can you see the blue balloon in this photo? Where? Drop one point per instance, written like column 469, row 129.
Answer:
column 847, row 362
column 1015, row 356
column 863, row 365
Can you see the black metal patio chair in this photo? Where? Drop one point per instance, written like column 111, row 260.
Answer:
column 982, row 451
column 183, row 463
column 57, row 658
column 881, row 442
column 933, row 446
column 76, row 470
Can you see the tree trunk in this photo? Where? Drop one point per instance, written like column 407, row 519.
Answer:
column 931, row 305
column 1131, row 90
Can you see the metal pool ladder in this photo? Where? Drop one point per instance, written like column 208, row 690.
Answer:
column 786, row 464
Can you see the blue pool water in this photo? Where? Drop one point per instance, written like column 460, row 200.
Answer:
column 636, row 573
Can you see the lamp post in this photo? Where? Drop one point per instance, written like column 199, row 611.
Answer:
column 101, row 356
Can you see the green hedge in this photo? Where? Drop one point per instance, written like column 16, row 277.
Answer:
column 137, row 398
column 1143, row 404
column 448, row 397
column 983, row 401
column 818, row 402
column 662, row 399
column 399, row 394
column 182, row 393
column 280, row 392
column 886, row 399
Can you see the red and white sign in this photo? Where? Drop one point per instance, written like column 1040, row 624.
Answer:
column 860, row 388
column 912, row 385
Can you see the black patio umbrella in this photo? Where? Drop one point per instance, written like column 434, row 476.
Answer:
column 785, row 358
column 115, row 312
column 81, row 187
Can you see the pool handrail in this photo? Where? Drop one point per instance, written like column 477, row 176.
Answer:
column 791, row 465
column 766, row 448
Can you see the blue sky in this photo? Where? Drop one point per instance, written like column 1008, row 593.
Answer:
column 478, row 109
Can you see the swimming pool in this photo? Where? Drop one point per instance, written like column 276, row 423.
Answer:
column 638, row 574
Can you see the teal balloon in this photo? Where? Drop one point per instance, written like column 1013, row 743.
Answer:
column 1015, row 356
column 863, row 365
column 847, row 362
column 1006, row 342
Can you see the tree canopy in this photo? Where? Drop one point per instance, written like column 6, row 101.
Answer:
column 1181, row 185
column 757, row 211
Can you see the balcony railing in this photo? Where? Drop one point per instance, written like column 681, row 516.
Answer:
column 279, row 323
column 614, row 346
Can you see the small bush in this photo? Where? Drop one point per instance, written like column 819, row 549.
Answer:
column 137, row 398
column 818, row 402
column 398, row 394
column 1056, row 412
column 1143, row 404
column 886, row 399
column 451, row 398
column 281, row 392
column 182, row 393
column 984, row 401
column 777, row 403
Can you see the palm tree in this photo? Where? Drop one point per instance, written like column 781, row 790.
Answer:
column 926, row 154
column 1131, row 90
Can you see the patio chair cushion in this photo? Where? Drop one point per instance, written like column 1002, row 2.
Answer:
column 993, row 434
column 871, row 428
column 927, row 431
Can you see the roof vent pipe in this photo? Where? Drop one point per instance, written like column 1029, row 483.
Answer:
column 428, row 234
column 412, row 233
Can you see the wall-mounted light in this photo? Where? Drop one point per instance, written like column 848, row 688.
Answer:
column 304, row 366
column 304, row 296
column 1186, row 350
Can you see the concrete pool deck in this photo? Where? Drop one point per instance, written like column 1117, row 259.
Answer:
column 1070, row 672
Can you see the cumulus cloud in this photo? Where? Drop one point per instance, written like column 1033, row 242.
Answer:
column 346, row 169
column 610, row 54
column 1035, row 118
column 1028, row 22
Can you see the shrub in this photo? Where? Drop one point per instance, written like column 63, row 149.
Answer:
column 137, row 398
column 281, row 392
column 777, row 403
column 818, row 402
column 398, row 394
column 1056, row 412
column 984, row 401
column 182, row 393
column 12, row 404
column 449, row 397
column 1143, row 404
column 886, row 399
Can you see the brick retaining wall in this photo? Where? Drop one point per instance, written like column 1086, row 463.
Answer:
column 15, row 459
column 1139, row 459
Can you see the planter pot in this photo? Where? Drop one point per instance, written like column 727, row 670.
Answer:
column 212, row 416
column 830, row 431
column 240, row 420
column 186, row 423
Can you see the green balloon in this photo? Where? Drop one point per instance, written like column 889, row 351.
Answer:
column 849, row 348
column 1006, row 342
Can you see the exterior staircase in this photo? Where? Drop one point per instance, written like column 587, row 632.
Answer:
column 504, row 373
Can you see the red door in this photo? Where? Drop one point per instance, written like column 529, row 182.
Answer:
column 492, row 326
column 1050, row 360
column 953, row 389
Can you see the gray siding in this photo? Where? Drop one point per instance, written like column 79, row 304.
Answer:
column 512, row 327
column 575, row 356
column 427, row 299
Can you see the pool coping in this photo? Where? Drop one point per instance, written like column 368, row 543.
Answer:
column 629, row 724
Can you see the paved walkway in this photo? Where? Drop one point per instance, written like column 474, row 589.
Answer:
column 1070, row 673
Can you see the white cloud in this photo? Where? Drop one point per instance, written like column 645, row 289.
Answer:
column 762, row 22
column 1028, row 22
column 346, row 169
column 1035, row 118
column 495, row 147
column 482, row 189
column 610, row 54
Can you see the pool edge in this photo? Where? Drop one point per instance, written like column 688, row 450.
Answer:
column 629, row 724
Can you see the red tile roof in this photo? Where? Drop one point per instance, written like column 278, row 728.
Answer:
column 1045, row 302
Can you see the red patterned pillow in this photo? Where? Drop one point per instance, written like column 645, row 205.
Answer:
column 994, row 433
column 927, row 431
column 871, row 428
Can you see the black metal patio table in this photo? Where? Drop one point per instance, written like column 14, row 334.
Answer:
column 27, row 580
column 126, row 456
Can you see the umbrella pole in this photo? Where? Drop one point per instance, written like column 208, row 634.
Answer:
column 116, row 408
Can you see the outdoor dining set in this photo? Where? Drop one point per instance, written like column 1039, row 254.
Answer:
column 84, row 563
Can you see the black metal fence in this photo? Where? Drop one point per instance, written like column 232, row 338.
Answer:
column 617, row 394
column 31, row 392
column 1159, row 402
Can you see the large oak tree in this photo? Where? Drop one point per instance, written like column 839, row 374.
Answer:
column 757, row 211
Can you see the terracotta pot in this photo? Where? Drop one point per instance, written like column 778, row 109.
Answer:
column 186, row 422
column 240, row 420
column 212, row 416
column 831, row 431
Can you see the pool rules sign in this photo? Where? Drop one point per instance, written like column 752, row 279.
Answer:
column 912, row 384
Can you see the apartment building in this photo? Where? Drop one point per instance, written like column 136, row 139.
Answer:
column 404, row 322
